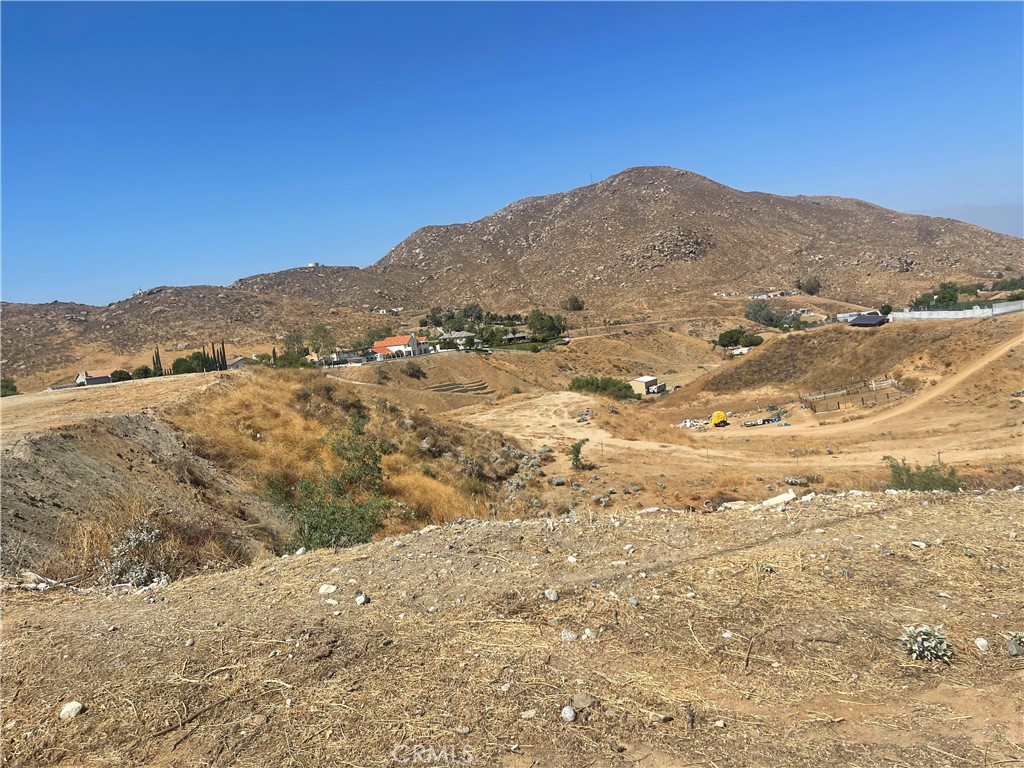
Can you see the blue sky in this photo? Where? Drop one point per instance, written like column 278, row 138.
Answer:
column 150, row 144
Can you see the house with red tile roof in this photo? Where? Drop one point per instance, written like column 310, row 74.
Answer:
column 401, row 346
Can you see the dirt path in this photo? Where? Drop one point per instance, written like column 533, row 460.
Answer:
column 921, row 399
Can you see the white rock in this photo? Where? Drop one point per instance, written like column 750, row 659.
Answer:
column 528, row 714
column 782, row 498
column 568, row 714
column 551, row 595
column 328, row 589
column 571, row 559
column 727, row 635
column 919, row 544
column 568, row 636
column 982, row 644
column 300, row 551
column 719, row 723
column 70, row 710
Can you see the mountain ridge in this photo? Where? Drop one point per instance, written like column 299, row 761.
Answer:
column 648, row 239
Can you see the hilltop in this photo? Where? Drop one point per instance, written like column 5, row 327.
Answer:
column 647, row 242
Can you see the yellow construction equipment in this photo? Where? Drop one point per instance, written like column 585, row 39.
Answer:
column 718, row 419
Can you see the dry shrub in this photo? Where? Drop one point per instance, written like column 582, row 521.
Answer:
column 433, row 500
column 130, row 542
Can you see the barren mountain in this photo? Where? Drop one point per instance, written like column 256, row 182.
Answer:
column 647, row 240
column 654, row 236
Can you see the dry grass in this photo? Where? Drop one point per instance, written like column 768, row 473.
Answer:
column 838, row 355
column 129, row 540
column 276, row 425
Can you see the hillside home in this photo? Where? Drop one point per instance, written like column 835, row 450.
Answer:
column 238, row 362
column 96, row 377
column 646, row 385
column 516, row 337
column 401, row 346
column 868, row 321
column 461, row 339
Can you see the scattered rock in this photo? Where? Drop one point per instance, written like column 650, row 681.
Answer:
column 361, row 598
column 1014, row 646
column 568, row 636
column 528, row 714
column 556, row 481
column 551, row 595
column 719, row 723
column 462, row 729
column 581, row 701
column 300, row 551
column 328, row 589
column 660, row 717
column 982, row 644
column 919, row 544
column 568, row 714
column 71, row 709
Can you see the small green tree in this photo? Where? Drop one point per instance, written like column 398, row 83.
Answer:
column 120, row 375
column 322, row 340
column 184, row 365
column 730, row 338
column 294, row 344
column 885, row 310
column 142, row 372
column 573, row 304
column 382, row 375
column 8, row 387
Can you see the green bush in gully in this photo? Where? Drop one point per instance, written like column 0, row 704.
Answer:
column 935, row 477
column 337, row 509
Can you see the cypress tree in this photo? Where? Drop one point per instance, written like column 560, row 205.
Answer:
column 273, row 356
column 158, row 368
column 223, row 356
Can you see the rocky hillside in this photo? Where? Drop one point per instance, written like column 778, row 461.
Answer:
column 656, row 236
column 645, row 240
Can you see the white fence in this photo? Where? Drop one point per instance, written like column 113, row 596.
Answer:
column 1002, row 308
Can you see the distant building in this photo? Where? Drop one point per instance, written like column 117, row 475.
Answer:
column 238, row 362
column 868, row 321
column 85, row 378
column 401, row 346
column 646, row 385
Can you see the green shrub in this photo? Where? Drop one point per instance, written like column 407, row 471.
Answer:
column 8, row 387
column 342, row 508
column 576, row 451
column 935, row 477
column 142, row 372
column 603, row 385
column 120, row 375
column 730, row 338
column 383, row 375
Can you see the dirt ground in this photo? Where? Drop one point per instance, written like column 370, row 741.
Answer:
column 748, row 636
